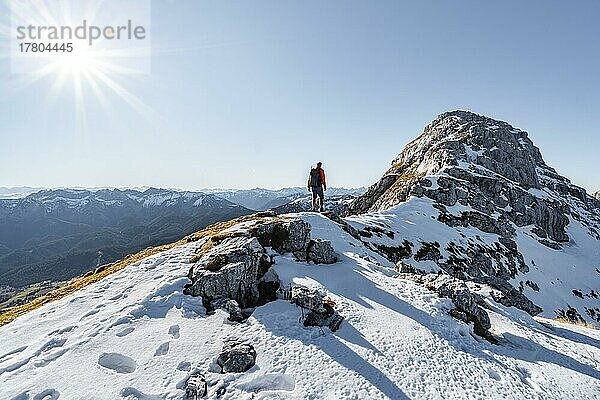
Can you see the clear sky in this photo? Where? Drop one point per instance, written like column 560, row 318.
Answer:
column 251, row 93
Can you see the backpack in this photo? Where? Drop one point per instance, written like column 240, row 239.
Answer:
column 315, row 177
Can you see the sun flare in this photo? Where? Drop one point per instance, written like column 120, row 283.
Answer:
column 91, row 60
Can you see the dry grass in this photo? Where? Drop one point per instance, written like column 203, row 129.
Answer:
column 10, row 314
column 565, row 320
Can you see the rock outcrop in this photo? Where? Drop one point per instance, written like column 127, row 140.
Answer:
column 468, row 159
column 232, row 269
column 236, row 357
column 320, row 310
column 320, row 252
column 465, row 301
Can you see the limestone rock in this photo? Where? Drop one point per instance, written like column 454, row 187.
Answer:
column 320, row 252
column 287, row 236
column 464, row 300
column 236, row 357
column 320, row 311
column 230, row 270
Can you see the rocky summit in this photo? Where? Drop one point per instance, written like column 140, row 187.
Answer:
column 512, row 222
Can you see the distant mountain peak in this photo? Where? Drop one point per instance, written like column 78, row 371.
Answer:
column 462, row 142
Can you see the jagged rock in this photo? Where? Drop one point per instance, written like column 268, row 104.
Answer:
column 507, row 295
column 321, row 311
column 345, row 226
column 285, row 236
column 307, row 298
column 428, row 251
column 231, row 269
column 320, row 252
column 268, row 286
column 231, row 306
column 236, row 357
column 484, row 175
column 503, row 165
column 464, row 300
column 405, row 268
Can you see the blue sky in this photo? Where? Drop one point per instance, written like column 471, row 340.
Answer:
column 250, row 94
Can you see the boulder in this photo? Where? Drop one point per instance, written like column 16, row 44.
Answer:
column 320, row 252
column 464, row 300
column 236, row 357
column 232, row 270
column 321, row 311
column 231, row 306
column 306, row 298
column 284, row 236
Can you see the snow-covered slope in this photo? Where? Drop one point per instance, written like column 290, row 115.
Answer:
column 135, row 335
column 473, row 197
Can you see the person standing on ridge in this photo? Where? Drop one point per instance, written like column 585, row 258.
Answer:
column 316, row 185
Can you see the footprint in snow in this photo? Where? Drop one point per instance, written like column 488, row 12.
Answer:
column 49, row 358
column 49, row 345
column 21, row 396
column 48, row 394
column 15, row 366
column 117, row 362
column 12, row 353
column 125, row 331
column 89, row 314
column 174, row 331
column 493, row 374
column 133, row 393
column 154, row 264
column 162, row 349
column 269, row 382
column 184, row 366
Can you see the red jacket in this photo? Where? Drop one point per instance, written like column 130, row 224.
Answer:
column 322, row 174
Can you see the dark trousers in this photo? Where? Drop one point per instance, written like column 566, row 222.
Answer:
column 317, row 191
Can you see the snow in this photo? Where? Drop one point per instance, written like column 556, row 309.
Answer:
column 558, row 272
column 417, row 221
column 134, row 335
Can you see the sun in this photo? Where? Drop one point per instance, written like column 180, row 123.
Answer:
column 85, row 69
column 79, row 62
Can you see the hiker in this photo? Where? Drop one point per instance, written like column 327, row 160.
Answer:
column 316, row 185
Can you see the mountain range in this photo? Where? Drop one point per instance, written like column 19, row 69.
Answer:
column 58, row 234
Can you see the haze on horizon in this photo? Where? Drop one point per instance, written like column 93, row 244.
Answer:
column 245, row 95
